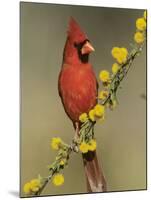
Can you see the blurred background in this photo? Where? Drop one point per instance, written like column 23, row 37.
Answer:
column 121, row 137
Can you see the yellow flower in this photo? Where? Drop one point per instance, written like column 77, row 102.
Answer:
column 104, row 76
column 103, row 94
column 145, row 14
column 115, row 68
column 141, row 24
column 27, row 188
column 55, row 142
column 124, row 51
column 35, row 189
column 123, row 55
column 115, row 52
column 62, row 162
column 92, row 115
column 99, row 110
column 83, row 147
column 58, row 179
column 120, row 54
column 32, row 186
column 83, row 117
column 92, row 145
column 35, row 185
column 139, row 37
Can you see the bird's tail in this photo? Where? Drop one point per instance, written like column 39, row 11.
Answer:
column 94, row 174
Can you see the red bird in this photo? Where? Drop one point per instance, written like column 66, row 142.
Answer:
column 78, row 91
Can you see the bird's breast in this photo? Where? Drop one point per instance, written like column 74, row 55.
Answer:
column 78, row 89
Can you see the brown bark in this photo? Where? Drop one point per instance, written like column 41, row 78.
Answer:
column 94, row 174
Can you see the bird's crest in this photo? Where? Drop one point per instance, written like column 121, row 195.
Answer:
column 74, row 31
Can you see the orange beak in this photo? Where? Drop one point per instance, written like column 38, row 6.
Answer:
column 87, row 48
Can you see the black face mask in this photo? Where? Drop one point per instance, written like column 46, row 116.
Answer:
column 83, row 57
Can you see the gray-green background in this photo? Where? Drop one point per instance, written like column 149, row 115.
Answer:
column 122, row 136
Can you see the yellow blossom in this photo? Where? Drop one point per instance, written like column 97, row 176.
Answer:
column 145, row 15
column 62, row 162
column 104, row 76
column 115, row 68
column 103, row 94
column 83, row 117
column 92, row 145
column 115, row 52
column 99, row 110
column 32, row 186
column 141, row 24
column 124, row 51
column 55, row 142
column 27, row 188
column 35, row 185
column 83, row 147
column 139, row 37
column 35, row 189
column 120, row 54
column 92, row 115
column 58, row 179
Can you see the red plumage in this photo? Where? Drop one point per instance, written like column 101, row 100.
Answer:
column 78, row 91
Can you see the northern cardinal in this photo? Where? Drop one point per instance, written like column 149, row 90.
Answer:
column 77, row 87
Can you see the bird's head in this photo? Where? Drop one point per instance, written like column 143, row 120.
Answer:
column 78, row 47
